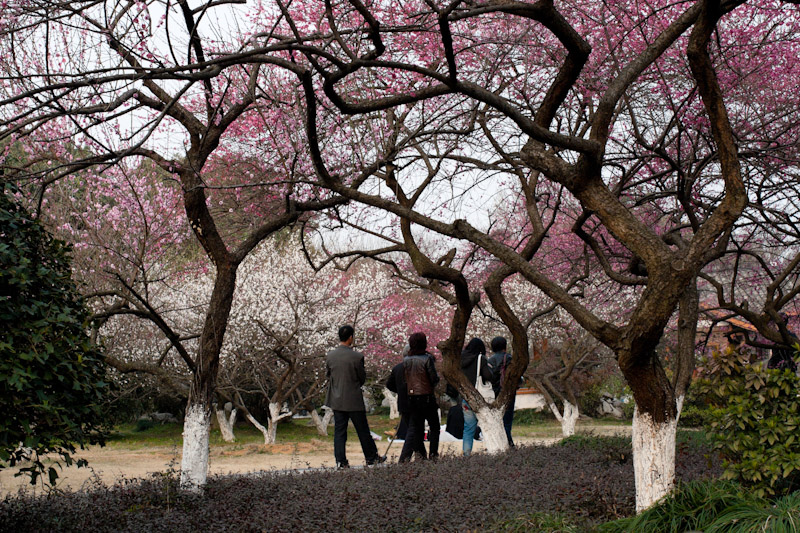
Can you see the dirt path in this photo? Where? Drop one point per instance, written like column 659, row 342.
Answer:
column 111, row 464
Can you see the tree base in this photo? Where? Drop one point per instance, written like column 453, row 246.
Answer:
column 653, row 458
column 196, row 432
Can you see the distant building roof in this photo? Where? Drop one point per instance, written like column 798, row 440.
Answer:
column 721, row 315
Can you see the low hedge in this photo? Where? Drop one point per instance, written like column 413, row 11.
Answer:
column 587, row 479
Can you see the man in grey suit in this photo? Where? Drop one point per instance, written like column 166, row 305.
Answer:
column 346, row 375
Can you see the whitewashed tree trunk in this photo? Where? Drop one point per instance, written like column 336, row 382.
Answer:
column 271, row 431
column 679, row 405
column 264, row 431
column 272, row 423
column 494, row 433
column 226, row 424
column 275, row 417
column 653, row 458
column 326, row 419
column 391, row 399
column 322, row 422
column 317, row 421
column 196, row 431
column 567, row 419
column 232, row 418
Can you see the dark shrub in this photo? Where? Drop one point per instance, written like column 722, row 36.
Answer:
column 533, row 416
column 143, row 424
column 590, row 480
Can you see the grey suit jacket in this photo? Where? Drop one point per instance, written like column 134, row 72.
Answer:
column 346, row 375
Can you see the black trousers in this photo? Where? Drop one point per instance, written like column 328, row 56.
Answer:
column 359, row 419
column 508, row 420
column 421, row 408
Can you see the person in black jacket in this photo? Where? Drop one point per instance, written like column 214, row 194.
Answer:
column 414, row 380
column 474, row 350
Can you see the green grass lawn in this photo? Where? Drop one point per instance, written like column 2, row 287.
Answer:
column 128, row 436
column 170, row 435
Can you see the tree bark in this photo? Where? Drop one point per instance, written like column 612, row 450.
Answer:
column 322, row 422
column 259, row 426
column 194, row 462
column 275, row 417
column 272, row 430
column 391, row 398
column 226, row 424
column 197, row 424
column 494, row 432
column 653, row 458
column 654, row 427
column 687, row 342
column 567, row 419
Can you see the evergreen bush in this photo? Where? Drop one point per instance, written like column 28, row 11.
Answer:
column 754, row 421
column 52, row 377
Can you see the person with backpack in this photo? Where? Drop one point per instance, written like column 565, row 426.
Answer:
column 499, row 362
column 414, row 381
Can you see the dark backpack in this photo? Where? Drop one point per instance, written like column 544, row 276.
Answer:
column 503, row 367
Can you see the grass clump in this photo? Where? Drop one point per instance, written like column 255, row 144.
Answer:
column 539, row 522
column 714, row 507
column 778, row 516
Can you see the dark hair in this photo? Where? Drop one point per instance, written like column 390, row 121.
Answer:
column 499, row 344
column 417, row 343
column 475, row 346
column 345, row 332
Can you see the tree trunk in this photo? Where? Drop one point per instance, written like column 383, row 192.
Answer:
column 653, row 458
column 197, row 424
column 272, row 424
column 391, row 399
column 322, row 422
column 196, row 430
column 571, row 414
column 271, row 431
column 654, row 426
column 264, row 431
column 226, row 424
column 494, row 433
column 567, row 419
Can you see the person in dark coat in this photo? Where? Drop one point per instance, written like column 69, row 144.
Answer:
column 469, row 367
column 782, row 356
column 499, row 362
column 455, row 421
column 396, row 382
column 414, row 381
column 346, row 375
